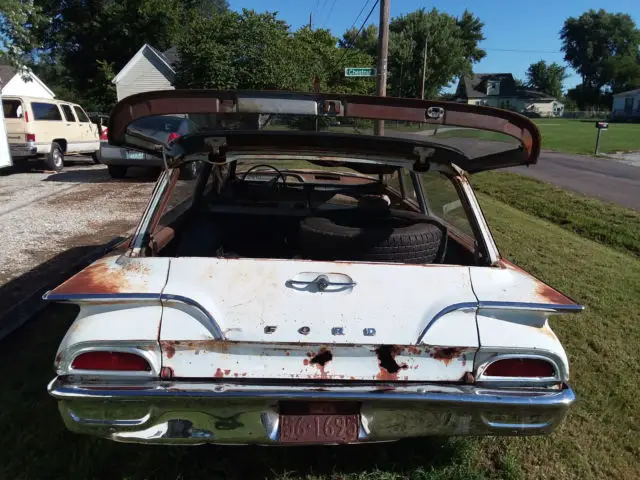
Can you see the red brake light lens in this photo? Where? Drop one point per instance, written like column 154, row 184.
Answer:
column 172, row 137
column 520, row 367
column 31, row 137
column 117, row 361
column 103, row 135
column 26, row 117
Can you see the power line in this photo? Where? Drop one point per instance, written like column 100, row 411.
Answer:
column 364, row 5
column 333, row 4
column 348, row 47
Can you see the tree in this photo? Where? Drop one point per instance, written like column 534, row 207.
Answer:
column 85, row 43
column 547, row 78
column 366, row 42
column 603, row 48
column 18, row 18
column 452, row 49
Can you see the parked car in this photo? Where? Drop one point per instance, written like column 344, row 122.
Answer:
column 164, row 128
column 38, row 127
column 312, row 288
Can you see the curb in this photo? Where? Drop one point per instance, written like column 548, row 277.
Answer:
column 19, row 314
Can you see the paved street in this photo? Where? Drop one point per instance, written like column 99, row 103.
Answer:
column 607, row 179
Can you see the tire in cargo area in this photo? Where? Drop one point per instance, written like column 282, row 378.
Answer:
column 394, row 236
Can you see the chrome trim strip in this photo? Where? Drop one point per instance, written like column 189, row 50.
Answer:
column 215, row 329
column 213, row 326
column 551, row 307
column 98, row 297
column 448, row 309
column 541, row 307
column 62, row 388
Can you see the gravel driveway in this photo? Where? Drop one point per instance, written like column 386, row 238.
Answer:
column 44, row 214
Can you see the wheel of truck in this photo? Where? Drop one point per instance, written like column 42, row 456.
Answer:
column 55, row 158
column 117, row 171
column 95, row 156
column 394, row 236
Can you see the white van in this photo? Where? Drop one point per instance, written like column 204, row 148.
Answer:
column 49, row 128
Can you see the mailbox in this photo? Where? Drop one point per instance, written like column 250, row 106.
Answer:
column 602, row 125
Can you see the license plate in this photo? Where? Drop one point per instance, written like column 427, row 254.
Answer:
column 131, row 155
column 319, row 428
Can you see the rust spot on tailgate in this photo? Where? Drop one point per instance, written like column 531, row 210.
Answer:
column 219, row 373
column 446, row 354
column 168, row 348
column 389, row 368
column 551, row 295
column 323, row 357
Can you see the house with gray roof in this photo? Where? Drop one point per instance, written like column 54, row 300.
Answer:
column 149, row 69
column 500, row 90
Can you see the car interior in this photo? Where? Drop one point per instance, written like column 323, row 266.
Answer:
column 268, row 211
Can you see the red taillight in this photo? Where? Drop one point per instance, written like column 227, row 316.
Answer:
column 172, row 137
column 118, row 361
column 31, row 137
column 26, row 117
column 103, row 135
column 520, row 367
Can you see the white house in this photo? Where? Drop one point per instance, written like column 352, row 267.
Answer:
column 13, row 82
column 148, row 70
column 626, row 104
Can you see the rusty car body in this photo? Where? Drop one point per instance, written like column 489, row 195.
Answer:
column 356, row 295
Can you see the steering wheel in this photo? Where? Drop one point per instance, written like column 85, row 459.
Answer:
column 271, row 183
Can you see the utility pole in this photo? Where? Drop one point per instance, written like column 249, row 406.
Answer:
column 383, row 52
column 424, row 67
column 310, row 14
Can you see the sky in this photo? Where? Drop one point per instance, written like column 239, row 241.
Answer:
column 518, row 33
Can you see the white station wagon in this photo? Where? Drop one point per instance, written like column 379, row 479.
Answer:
column 312, row 286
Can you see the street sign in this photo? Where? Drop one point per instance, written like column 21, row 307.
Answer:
column 359, row 72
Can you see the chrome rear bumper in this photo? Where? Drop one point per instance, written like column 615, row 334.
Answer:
column 239, row 413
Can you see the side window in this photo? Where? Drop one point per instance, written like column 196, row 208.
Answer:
column 12, row 108
column 45, row 111
column 444, row 201
column 82, row 117
column 68, row 114
column 393, row 180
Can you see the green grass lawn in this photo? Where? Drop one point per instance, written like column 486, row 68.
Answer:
column 600, row 438
column 571, row 136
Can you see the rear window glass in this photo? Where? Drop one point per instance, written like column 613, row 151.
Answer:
column 164, row 124
column 68, row 114
column 45, row 111
column 82, row 117
column 12, row 109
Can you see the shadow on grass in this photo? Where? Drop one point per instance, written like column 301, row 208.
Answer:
column 35, row 444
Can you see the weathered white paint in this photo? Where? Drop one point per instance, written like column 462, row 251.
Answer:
column 29, row 86
column 145, row 72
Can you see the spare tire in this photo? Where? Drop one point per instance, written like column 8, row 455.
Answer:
column 396, row 236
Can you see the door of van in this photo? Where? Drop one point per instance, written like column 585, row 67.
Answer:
column 48, row 124
column 88, row 132
column 72, row 128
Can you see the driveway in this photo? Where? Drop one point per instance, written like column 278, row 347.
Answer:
column 47, row 219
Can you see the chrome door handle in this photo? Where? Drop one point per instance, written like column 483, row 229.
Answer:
column 321, row 282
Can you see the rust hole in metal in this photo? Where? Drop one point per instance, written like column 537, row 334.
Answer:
column 387, row 358
column 446, row 354
column 322, row 358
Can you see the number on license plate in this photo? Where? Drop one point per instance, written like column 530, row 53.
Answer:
column 131, row 155
column 319, row 428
